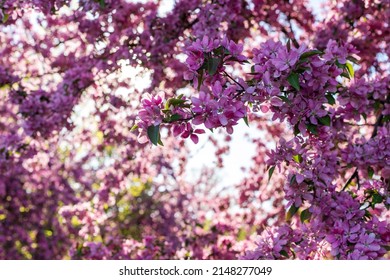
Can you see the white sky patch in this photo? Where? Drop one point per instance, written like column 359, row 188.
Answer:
column 165, row 7
column 318, row 8
column 240, row 155
column 140, row 78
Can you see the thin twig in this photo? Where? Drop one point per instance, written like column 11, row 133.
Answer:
column 378, row 123
column 237, row 83
column 354, row 174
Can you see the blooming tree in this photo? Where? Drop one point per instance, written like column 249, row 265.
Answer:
column 80, row 174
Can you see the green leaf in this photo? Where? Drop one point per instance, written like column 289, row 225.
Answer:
column 291, row 212
column 285, row 99
column 300, row 70
column 296, row 130
column 325, row 120
column 312, row 128
column 345, row 75
column 377, row 105
column 253, row 69
column 293, row 180
column 297, row 158
column 370, row 172
column 293, row 79
column 102, row 3
column 376, row 198
column 331, row 99
column 212, row 65
column 175, row 102
column 246, row 120
column 200, row 81
column 350, row 69
column 241, row 234
column 175, row 117
column 165, row 111
column 5, row 18
column 154, row 134
column 339, row 65
column 305, row 215
column 134, row 127
column 270, row 172
column 309, row 54
column 220, row 50
column 284, row 254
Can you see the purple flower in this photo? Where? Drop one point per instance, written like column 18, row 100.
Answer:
column 367, row 242
column 205, row 45
column 285, row 60
column 151, row 112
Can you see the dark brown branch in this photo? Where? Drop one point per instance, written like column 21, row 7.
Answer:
column 237, row 83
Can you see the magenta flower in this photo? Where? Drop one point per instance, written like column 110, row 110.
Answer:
column 285, row 60
column 335, row 52
column 151, row 112
column 195, row 60
column 268, row 84
column 234, row 49
column 205, row 45
column 186, row 130
column 367, row 242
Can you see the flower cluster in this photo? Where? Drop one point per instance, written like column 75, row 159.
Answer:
column 75, row 182
column 301, row 86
